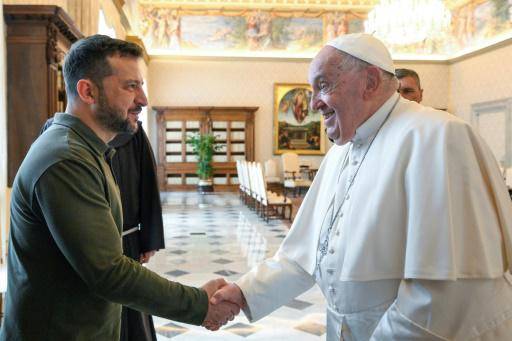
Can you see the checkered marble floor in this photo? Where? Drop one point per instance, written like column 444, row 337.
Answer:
column 215, row 235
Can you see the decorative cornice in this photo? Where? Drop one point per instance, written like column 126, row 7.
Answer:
column 119, row 3
column 452, row 4
column 277, row 5
column 49, row 13
column 138, row 41
column 124, row 19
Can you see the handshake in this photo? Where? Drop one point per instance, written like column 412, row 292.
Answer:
column 224, row 302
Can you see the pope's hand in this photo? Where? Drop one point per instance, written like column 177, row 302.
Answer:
column 229, row 293
column 218, row 314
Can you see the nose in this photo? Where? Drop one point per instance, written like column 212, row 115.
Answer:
column 315, row 102
column 141, row 98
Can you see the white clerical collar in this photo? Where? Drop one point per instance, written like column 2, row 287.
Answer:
column 372, row 124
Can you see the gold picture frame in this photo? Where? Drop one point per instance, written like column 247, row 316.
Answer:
column 297, row 128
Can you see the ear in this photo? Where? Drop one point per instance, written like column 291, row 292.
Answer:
column 87, row 91
column 373, row 81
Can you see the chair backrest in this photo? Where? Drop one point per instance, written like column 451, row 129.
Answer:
column 508, row 177
column 306, row 163
column 290, row 162
column 245, row 176
column 270, row 168
column 239, row 174
column 254, row 180
column 262, row 190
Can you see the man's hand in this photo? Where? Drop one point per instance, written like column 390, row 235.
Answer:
column 229, row 293
column 218, row 314
column 144, row 257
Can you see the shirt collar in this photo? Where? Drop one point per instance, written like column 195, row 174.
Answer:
column 372, row 124
column 81, row 129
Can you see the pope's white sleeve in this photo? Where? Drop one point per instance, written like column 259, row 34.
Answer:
column 271, row 284
column 447, row 310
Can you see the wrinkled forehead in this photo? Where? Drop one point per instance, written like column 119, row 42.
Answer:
column 325, row 63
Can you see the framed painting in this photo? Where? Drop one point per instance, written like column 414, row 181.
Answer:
column 297, row 127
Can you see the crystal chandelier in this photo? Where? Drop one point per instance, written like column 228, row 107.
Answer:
column 403, row 22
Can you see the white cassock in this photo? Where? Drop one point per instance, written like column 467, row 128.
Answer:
column 421, row 246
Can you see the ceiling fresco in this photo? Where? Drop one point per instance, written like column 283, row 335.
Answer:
column 298, row 28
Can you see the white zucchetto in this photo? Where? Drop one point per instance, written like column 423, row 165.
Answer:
column 365, row 47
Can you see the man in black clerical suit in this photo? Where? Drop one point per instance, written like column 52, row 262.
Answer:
column 134, row 167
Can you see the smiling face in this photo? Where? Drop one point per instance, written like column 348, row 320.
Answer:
column 121, row 97
column 337, row 94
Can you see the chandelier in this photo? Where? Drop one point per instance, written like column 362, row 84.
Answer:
column 403, row 22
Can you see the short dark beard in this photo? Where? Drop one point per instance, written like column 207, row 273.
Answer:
column 111, row 118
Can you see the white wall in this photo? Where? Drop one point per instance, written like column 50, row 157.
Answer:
column 435, row 81
column 484, row 77
column 227, row 83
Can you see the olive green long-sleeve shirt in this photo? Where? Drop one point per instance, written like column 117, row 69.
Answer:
column 67, row 276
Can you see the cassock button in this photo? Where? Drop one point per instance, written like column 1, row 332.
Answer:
column 359, row 145
column 331, row 251
column 330, row 271
column 355, row 162
column 337, row 233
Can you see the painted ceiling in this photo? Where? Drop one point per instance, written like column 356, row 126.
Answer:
column 299, row 28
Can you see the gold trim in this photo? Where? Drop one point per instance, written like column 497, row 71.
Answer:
column 161, row 57
column 451, row 4
column 138, row 41
column 455, row 4
column 288, row 5
column 119, row 3
column 122, row 15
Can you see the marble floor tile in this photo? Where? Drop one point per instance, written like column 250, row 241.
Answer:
column 216, row 235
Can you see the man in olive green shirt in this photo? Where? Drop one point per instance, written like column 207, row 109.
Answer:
column 67, row 276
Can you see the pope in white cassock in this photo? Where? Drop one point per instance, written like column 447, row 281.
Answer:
column 407, row 227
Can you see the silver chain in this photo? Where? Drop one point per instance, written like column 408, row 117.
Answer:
column 324, row 246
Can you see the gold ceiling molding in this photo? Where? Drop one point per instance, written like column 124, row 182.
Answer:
column 277, row 5
column 303, row 13
column 451, row 4
column 138, row 41
column 454, row 4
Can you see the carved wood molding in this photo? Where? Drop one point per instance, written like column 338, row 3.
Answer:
column 53, row 15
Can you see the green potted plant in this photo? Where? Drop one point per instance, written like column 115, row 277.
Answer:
column 203, row 145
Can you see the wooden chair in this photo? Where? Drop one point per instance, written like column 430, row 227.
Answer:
column 272, row 205
column 293, row 179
